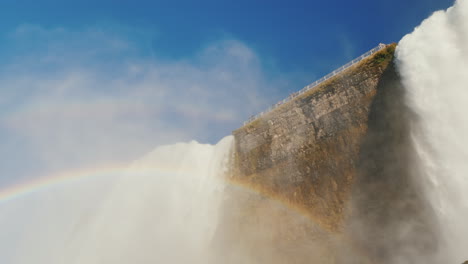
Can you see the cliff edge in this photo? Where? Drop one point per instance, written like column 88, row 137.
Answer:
column 325, row 177
column 305, row 152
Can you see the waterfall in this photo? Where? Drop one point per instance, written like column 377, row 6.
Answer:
column 433, row 64
column 161, row 209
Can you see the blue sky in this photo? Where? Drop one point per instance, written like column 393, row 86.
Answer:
column 294, row 35
column 84, row 83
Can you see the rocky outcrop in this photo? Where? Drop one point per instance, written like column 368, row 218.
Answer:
column 309, row 179
column 305, row 152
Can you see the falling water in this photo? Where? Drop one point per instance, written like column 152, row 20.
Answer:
column 162, row 209
column 433, row 63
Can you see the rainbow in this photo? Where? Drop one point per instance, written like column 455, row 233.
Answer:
column 281, row 200
column 39, row 184
column 116, row 170
column 43, row 183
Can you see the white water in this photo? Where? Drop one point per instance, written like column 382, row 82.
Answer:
column 163, row 209
column 433, row 63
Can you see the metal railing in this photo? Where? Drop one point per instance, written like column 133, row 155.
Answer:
column 318, row 82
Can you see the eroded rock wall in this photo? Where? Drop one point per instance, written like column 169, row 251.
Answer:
column 327, row 177
column 305, row 152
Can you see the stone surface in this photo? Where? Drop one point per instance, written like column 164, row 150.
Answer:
column 305, row 152
column 324, row 178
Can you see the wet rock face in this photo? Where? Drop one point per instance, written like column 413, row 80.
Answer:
column 305, row 152
column 328, row 176
column 389, row 217
column 296, row 168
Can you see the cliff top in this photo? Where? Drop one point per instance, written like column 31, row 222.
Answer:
column 380, row 59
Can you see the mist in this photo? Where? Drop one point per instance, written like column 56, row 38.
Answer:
column 433, row 63
column 163, row 208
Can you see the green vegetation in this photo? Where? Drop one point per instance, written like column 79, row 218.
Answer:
column 385, row 54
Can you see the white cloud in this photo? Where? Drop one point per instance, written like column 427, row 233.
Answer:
column 83, row 97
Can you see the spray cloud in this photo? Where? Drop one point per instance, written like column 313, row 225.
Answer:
column 433, row 63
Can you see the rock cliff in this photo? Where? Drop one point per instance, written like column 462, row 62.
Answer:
column 309, row 181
